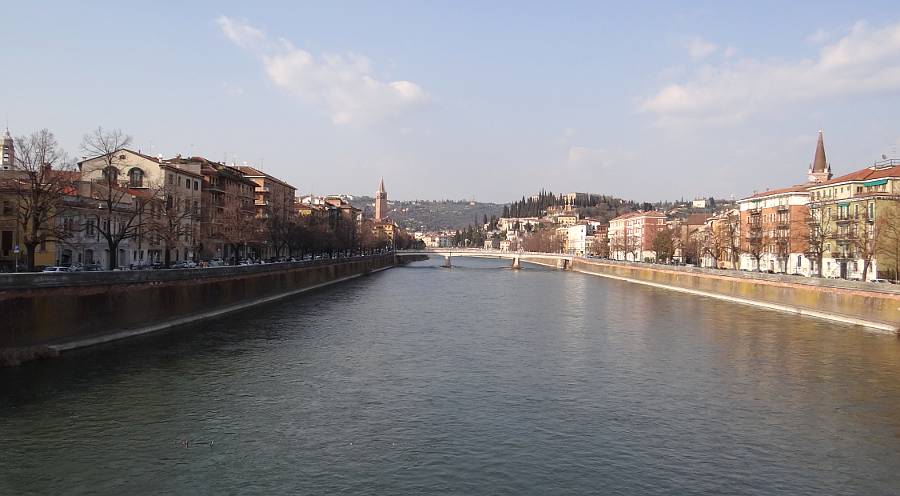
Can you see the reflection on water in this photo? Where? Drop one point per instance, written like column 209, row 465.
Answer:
column 470, row 380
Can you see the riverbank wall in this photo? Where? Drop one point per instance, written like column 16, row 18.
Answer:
column 857, row 303
column 61, row 311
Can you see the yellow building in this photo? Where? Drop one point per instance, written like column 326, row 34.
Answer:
column 846, row 211
column 12, row 248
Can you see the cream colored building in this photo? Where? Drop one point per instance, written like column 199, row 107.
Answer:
column 175, row 183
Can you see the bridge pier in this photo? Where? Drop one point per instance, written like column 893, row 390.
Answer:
column 447, row 264
column 516, row 265
column 562, row 264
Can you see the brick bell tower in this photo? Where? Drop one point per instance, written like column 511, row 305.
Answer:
column 380, row 202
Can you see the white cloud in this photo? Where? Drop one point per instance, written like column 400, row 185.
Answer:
column 345, row 85
column 820, row 36
column 699, row 49
column 865, row 61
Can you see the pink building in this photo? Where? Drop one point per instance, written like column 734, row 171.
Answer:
column 631, row 235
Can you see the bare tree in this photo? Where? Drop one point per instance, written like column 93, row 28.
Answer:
column 543, row 240
column 121, row 214
column 865, row 236
column 888, row 240
column 172, row 219
column 41, row 180
column 758, row 243
column 632, row 245
column 711, row 243
column 617, row 245
column 241, row 228
column 664, row 244
column 731, row 232
column 817, row 235
column 601, row 246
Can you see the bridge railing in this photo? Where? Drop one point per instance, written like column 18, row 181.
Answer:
column 481, row 251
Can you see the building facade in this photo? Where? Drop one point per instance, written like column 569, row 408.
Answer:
column 774, row 231
column 631, row 235
column 847, row 214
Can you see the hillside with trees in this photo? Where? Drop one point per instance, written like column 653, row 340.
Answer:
column 433, row 215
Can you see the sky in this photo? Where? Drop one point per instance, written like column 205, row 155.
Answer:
column 485, row 100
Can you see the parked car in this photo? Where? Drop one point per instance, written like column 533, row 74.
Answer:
column 55, row 269
column 215, row 262
column 92, row 268
column 881, row 281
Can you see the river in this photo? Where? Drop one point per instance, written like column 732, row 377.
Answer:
column 471, row 380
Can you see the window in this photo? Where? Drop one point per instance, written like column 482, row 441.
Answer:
column 6, row 242
column 871, row 211
column 171, row 180
column 196, row 185
column 111, row 174
column 136, row 178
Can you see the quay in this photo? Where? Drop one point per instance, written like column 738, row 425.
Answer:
column 874, row 306
column 59, row 312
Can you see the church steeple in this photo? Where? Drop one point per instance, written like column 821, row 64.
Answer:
column 8, row 152
column 819, row 169
column 380, row 202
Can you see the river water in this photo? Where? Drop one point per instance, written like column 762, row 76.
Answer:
column 471, row 380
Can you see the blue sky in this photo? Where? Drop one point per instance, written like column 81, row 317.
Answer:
column 649, row 100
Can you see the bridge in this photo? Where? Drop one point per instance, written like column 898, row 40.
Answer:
column 560, row 260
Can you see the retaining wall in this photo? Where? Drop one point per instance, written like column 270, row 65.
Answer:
column 87, row 307
column 871, row 307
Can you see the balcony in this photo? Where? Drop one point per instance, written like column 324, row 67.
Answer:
column 783, row 208
column 261, row 189
column 783, row 224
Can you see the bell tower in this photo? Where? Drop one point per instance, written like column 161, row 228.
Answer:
column 820, row 169
column 8, row 157
column 380, row 202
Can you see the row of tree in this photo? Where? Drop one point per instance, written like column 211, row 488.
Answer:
column 859, row 237
column 52, row 204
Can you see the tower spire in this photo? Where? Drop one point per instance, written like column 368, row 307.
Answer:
column 380, row 202
column 819, row 169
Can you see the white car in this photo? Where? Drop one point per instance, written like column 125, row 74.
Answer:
column 55, row 269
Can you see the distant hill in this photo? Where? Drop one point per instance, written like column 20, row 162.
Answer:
column 429, row 215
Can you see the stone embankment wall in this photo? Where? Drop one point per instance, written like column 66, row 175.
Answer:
column 867, row 304
column 64, row 311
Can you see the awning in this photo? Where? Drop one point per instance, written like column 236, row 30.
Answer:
column 875, row 182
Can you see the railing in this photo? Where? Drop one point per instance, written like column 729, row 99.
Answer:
column 891, row 162
column 745, row 274
column 26, row 280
